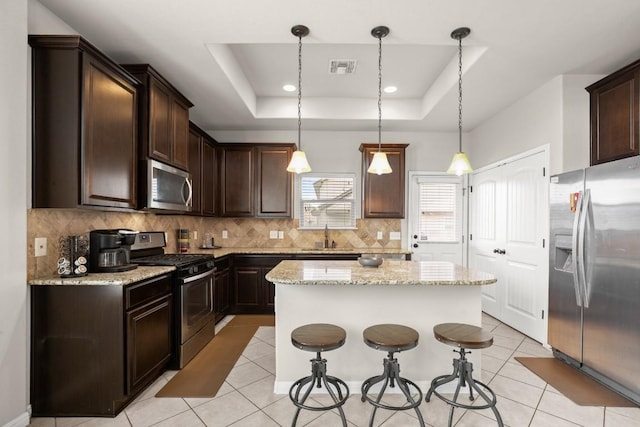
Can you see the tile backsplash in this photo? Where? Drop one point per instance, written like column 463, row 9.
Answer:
column 241, row 232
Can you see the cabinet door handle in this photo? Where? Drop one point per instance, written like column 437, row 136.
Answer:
column 415, row 245
column 415, row 236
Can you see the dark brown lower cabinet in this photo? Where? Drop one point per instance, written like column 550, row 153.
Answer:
column 95, row 347
column 252, row 293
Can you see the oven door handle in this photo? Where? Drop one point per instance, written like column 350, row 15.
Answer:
column 198, row 277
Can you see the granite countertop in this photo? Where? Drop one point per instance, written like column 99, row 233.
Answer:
column 123, row 278
column 391, row 272
column 268, row 251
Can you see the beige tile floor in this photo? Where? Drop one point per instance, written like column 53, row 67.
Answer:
column 246, row 398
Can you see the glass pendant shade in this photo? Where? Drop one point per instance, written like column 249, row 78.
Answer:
column 460, row 164
column 298, row 163
column 380, row 164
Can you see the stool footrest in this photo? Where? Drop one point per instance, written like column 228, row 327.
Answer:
column 462, row 372
column 335, row 387
column 390, row 378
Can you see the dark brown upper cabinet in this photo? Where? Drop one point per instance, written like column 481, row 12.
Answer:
column 203, row 167
column 383, row 195
column 254, row 181
column 614, row 115
column 164, row 118
column 237, row 180
column 274, row 184
column 85, row 126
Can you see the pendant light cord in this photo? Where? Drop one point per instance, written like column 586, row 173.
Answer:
column 299, row 91
column 380, row 93
column 460, row 94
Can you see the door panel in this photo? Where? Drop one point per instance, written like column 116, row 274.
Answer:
column 484, row 238
column 509, row 211
column 437, row 212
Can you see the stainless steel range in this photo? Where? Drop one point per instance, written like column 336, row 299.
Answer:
column 193, row 292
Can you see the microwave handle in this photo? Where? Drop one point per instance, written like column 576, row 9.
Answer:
column 189, row 200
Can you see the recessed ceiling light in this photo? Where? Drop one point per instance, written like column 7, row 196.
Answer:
column 390, row 89
column 289, row 88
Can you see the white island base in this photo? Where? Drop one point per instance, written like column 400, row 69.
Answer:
column 355, row 307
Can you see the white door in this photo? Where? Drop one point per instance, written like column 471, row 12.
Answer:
column 509, row 217
column 437, row 217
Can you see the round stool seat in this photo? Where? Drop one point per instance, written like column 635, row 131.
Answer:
column 462, row 335
column 390, row 337
column 318, row 337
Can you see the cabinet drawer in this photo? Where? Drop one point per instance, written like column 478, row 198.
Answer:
column 147, row 290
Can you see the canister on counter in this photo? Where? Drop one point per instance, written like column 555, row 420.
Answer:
column 183, row 240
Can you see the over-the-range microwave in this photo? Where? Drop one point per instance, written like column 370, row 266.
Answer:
column 168, row 188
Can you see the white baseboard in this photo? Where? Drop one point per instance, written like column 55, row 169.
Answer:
column 20, row 421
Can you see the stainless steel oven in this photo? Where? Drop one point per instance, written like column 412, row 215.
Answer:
column 193, row 293
column 195, row 302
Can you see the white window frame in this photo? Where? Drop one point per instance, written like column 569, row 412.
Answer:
column 458, row 208
column 301, row 202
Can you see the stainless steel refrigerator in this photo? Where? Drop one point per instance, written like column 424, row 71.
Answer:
column 594, row 272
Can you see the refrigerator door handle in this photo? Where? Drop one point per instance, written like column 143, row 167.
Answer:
column 576, row 249
column 582, row 271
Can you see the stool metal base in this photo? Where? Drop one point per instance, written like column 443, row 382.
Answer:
column 462, row 371
column 391, row 377
column 319, row 378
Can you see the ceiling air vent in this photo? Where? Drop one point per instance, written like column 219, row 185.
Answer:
column 342, row 66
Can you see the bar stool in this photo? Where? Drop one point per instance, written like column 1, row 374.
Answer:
column 392, row 339
column 318, row 337
column 463, row 337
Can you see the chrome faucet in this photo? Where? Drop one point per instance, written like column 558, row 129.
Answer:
column 326, row 236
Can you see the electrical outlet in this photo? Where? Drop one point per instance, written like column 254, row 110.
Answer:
column 195, row 235
column 273, row 234
column 379, row 235
column 40, row 246
column 225, row 234
column 394, row 235
column 280, row 234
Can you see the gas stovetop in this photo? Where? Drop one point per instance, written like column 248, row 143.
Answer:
column 148, row 249
column 177, row 260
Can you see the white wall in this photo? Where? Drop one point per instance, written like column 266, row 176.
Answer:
column 14, row 393
column 557, row 113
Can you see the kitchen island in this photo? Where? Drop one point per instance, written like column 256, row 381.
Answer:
column 416, row 294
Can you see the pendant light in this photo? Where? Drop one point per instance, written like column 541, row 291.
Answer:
column 380, row 163
column 299, row 163
column 460, row 163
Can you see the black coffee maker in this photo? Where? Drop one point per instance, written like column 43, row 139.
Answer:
column 109, row 250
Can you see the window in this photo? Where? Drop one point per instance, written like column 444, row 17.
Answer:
column 439, row 210
column 327, row 199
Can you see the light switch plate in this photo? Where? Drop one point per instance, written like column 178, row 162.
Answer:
column 280, row 234
column 273, row 234
column 394, row 235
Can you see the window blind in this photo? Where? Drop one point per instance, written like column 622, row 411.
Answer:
column 438, row 212
column 327, row 200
